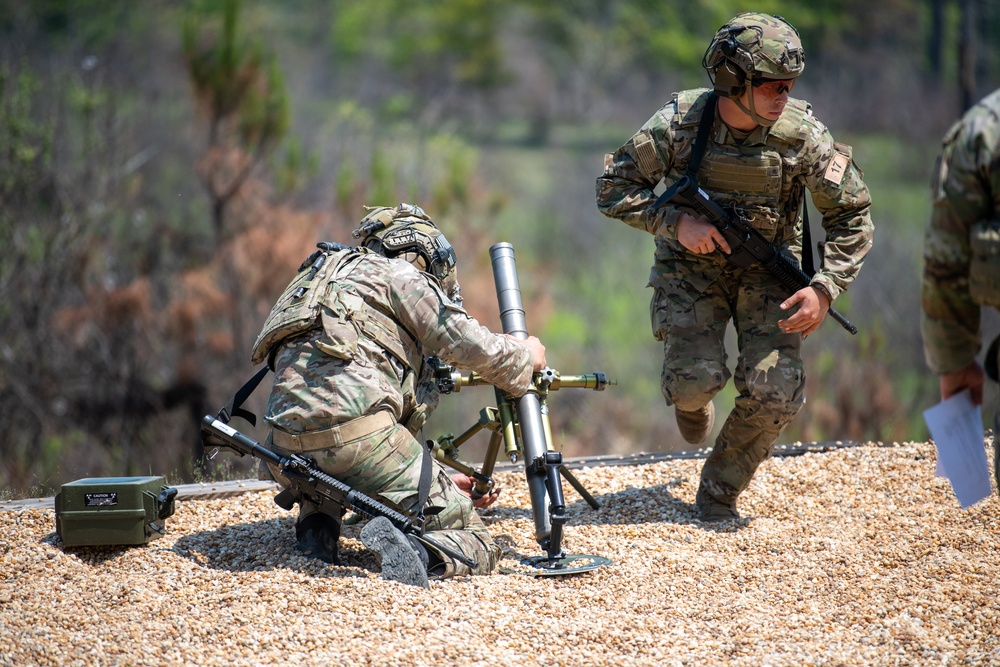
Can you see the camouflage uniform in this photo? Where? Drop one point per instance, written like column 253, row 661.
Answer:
column 764, row 175
column 318, row 388
column 963, row 233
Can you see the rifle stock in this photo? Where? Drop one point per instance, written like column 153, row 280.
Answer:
column 747, row 245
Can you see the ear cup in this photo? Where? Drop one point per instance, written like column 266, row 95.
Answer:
column 729, row 79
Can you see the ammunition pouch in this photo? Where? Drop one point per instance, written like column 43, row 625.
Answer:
column 337, row 313
column 984, row 265
column 748, row 179
column 416, row 418
column 347, row 318
column 753, row 180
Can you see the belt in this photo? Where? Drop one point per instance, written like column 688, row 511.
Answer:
column 310, row 441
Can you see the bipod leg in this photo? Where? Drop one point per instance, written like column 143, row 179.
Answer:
column 575, row 483
column 557, row 505
column 484, row 483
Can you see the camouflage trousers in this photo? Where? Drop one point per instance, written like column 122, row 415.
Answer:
column 386, row 466
column 768, row 373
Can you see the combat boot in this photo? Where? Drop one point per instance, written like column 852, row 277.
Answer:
column 711, row 509
column 401, row 560
column 696, row 425
column 317, row 536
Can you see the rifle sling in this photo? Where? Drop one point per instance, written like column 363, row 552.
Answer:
column 808, row 267
column 234, row 406
column 701, row 139
column 424, row 486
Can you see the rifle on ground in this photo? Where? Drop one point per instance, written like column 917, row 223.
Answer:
column 522, row 426
column 747, row 245
column 308, row 481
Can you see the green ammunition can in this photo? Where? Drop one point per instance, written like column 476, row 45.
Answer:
column 113, row 510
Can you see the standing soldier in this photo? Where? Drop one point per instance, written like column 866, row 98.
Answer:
column 759, row 153
column 347, row 342
column 962, row 253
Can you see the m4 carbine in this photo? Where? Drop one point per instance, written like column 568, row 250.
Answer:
column 747, row 245
column 308, row 481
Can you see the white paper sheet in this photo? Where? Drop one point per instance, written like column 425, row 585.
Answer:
column 956, row 425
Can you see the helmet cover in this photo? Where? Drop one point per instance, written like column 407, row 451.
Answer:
column 755, row 46
column 406, row 232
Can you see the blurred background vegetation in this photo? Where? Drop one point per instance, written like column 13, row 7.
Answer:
column 166, row 165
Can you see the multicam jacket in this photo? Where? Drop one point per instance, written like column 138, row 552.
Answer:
column 321, row 381
column 962, row 239
column 762, row 175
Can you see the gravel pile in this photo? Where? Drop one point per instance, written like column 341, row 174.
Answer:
column 857, row 556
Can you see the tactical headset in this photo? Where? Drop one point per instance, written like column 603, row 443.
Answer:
column 407, row 232
column 730, row 56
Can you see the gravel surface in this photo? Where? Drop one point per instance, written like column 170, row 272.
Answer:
column 857, row 556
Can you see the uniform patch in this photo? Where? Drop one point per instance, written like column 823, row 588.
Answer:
column 837, row 168
column 646, row 152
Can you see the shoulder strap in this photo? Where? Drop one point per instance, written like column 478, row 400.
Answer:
column 701, row 139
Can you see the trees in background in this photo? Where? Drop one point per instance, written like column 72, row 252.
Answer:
column 82, row 365
column 154, row 192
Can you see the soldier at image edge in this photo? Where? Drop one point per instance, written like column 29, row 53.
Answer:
column 962, row 255
column 762, row 151
column 348, row 341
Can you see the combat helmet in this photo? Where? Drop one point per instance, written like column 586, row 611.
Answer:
column 407, row 233
column 752, row 47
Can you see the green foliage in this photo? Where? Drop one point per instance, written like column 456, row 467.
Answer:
column 361, row 30
column 425, row 43
column 233, row 75
column 92, row 24
column 26, row 152
column 399, row 107
column 382, row 178
column 346, row 182
column 567, row 332
column 297, row 166
column 453, row 184
column 497, row 114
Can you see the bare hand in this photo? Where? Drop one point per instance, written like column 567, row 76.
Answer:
column 465, row 484
column 699, row 235
column 537, row 351
column 813, row 305
column 972, row 377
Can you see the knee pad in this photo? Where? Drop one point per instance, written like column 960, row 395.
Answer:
column 692, row 387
